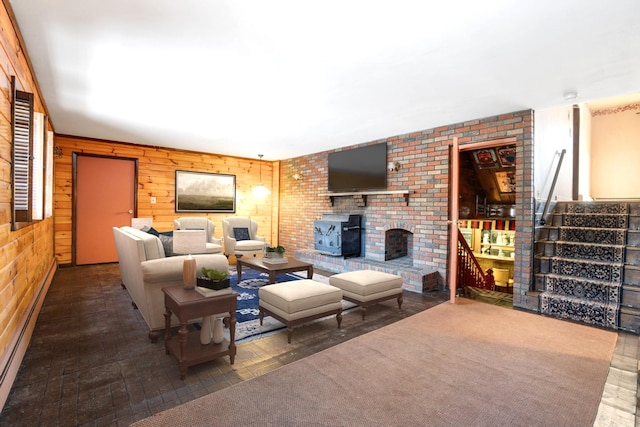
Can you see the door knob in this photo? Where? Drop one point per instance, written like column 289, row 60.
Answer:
column 130, row 211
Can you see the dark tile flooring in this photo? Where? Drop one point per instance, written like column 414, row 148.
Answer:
column 90, row 362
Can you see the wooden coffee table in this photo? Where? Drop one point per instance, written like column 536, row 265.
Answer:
column 273, row 269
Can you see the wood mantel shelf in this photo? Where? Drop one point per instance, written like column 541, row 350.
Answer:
column 364, row 194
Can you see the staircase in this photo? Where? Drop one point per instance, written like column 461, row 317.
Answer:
column 587, row 264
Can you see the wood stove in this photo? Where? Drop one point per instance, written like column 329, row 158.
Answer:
column 338, row 235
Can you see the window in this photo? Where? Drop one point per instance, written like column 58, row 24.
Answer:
column 21, row 166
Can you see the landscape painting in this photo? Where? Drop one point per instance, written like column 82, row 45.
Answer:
column 205, row 192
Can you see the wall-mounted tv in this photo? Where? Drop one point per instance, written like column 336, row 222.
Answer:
column 358, row 169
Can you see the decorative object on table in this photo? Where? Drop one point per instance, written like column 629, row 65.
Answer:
column 275, row 255
column 218, row 330
column 189, row 272
column 211, row 330
column 206, row 330
column 213, row 279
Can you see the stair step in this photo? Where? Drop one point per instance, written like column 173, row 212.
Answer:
column 593, row 290
column 597, row 207
column 632, row 275
column 580, row 310
column 633, row 238
column 632, row 256
column 630, row 320
column 593, row 220
column 590, row 251
column 630, row 296
column 603, row 236
column 587, row 269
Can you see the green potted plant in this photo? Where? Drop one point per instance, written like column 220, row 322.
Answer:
column 214, row 279
column 275, row 251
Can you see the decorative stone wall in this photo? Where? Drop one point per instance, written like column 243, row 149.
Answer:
column 423, row 157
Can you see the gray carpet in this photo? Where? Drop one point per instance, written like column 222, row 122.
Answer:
column 463, row 364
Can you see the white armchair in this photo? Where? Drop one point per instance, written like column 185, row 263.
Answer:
column 213, row 245
column 240, row 236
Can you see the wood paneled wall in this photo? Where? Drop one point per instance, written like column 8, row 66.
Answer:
column 156, row 178
column 26, row 255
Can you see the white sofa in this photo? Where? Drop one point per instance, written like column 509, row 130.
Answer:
column 145, row 271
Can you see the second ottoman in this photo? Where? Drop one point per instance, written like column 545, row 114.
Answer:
column 366, row 287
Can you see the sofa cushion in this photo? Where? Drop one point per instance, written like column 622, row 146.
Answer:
column 241, row 233
column 167, row 244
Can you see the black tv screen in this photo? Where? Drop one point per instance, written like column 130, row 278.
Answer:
column 363, row 168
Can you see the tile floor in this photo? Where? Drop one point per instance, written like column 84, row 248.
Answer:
column 90, row 362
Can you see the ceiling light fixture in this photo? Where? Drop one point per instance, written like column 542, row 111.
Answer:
column 568, row 96
column 260, row 191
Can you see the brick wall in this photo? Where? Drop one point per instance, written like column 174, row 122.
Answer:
column 423, row 157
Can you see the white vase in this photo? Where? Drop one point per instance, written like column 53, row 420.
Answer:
column 205, row 330
column 218, row 332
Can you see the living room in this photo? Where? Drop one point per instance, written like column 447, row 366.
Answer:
column 31, row 255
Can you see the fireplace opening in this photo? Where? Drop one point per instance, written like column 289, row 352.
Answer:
column 398, row 243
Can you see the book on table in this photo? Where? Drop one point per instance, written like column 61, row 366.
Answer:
column 283, row 260
column 213, row 293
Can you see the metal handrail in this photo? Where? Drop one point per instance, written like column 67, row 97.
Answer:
column 543, row 221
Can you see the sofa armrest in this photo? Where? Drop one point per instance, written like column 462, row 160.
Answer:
column 229, row 245
column 170, row 269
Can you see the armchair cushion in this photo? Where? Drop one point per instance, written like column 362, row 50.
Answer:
column 241, row 233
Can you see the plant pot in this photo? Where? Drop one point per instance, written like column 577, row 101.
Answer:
column 274, row 255
column 216, row 285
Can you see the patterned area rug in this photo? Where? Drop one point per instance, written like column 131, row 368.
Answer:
column 247, row 314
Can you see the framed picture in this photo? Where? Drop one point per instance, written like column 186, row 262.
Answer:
column 205, row 192
column 486, row 158
column 507, row 157
column 506, row 181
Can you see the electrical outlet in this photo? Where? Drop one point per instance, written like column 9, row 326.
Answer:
column 153, row 200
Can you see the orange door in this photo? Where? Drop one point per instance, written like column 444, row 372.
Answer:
column 104, row 198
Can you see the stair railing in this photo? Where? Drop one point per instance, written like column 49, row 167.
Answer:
column 469, row 271
column 543, row 221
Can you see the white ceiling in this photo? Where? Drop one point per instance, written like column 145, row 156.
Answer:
column 286, row 78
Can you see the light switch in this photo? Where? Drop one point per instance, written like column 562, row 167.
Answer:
column 153, row 200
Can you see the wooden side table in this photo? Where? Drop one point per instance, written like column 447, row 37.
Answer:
column 189, row 304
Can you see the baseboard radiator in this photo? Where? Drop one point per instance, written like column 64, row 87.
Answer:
column 12, row 358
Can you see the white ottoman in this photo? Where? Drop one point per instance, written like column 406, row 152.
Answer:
column 366, row 287
column 299, row 301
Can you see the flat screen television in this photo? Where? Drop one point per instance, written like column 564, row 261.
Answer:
column 358, row 169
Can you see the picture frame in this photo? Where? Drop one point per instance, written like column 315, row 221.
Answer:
column 507, row 157
column 486, row 158
column 506, row 181
column 205, row 192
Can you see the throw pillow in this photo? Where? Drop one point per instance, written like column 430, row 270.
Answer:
column 241, row 233
column 150, row 230
column 167, row 243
